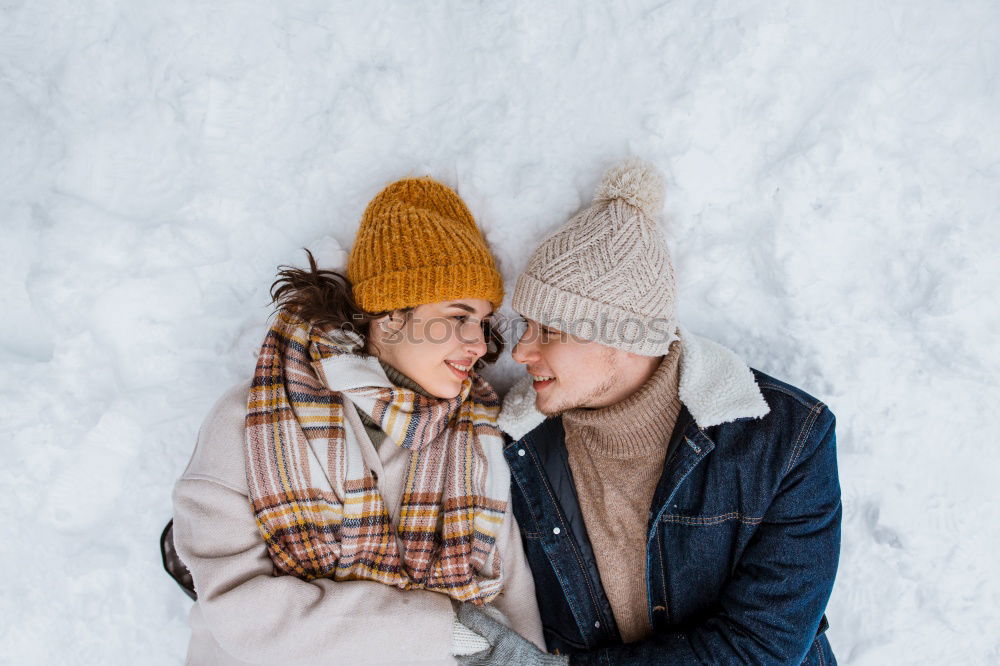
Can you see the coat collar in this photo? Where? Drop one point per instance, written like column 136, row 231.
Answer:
column 716, row 386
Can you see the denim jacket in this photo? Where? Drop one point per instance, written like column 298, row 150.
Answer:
column 743, row 536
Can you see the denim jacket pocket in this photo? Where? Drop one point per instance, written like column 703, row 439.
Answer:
column 701, row 548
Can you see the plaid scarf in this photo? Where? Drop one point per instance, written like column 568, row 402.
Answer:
column 317, row 504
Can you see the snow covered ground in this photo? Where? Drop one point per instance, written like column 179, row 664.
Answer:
column 833, row 170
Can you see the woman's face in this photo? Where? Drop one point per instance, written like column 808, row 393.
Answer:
column 435, row 344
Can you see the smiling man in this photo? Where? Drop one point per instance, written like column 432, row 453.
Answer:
column 676, row 505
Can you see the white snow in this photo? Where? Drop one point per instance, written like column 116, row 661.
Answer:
column 832, row 207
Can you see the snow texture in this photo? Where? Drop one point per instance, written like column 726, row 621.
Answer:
column 832, row 208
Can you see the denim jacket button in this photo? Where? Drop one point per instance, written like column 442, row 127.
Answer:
column 520, row 452
column 597, row 625
column 556, row 530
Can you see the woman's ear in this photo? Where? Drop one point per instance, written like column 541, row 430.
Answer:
column 379, row 325
column 376, row 334
column 394, row 322
column 391, row 325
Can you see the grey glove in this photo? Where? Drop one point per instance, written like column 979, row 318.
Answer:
column 506, row 645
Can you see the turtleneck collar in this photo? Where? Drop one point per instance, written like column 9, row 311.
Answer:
column 401, row 380
column 637, row 425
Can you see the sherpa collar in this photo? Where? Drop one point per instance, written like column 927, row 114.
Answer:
column 715, row 385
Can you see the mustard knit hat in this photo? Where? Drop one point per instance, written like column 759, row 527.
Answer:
column 418, row 243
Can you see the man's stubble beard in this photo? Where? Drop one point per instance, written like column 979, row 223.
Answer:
column 592, row 397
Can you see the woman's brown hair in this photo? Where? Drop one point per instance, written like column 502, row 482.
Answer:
column 325, row 298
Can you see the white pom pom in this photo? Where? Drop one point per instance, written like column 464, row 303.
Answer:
column 636, row 182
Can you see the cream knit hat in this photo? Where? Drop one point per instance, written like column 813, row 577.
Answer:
column 606, row 274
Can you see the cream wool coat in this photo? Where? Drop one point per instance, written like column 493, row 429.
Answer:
column 245, row 614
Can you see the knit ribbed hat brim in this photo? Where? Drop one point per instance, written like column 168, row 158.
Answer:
column 591, row 320
column 429, row 284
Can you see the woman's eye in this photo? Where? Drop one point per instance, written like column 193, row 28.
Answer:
column 461, row 318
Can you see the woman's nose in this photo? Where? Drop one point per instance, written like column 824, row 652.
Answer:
column 475, row 341
column 524, row 351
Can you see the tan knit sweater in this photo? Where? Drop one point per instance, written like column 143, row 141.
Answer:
column 616, row 454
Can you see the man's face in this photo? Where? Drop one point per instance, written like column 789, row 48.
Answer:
column 567, row 372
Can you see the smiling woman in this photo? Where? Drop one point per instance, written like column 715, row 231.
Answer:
column 355, row 488
column 420, row 341
column 438, row 344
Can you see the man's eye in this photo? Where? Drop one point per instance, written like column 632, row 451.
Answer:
column 461, row 318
